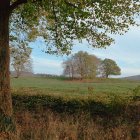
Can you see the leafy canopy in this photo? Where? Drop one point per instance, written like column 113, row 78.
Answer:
column 59, row 22
column 82, row 65
column 110, row 67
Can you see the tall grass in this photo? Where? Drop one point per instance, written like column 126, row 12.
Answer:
column 49, row 125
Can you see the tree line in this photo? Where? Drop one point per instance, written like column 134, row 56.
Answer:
column 86, row 66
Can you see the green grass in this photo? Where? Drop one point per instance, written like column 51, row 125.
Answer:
column 99, row 86
column 58, row 93
column 64, row 109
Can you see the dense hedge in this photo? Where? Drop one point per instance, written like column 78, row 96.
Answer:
column 109, row 106
column 73, row 105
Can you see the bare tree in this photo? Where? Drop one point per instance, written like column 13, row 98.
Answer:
column 20, row 60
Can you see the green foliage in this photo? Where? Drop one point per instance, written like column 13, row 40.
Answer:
column 7, row 123
column 111, row 105
column 136, row 93
column 81, row 65
column 60, row 22
column 137, row 90
column 109, row 67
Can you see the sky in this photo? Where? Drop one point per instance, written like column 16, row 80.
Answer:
column 125, row 51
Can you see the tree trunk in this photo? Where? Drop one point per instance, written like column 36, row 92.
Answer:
column 72, row 72
column 6, row 121
column 17, row 72
column 107, row 75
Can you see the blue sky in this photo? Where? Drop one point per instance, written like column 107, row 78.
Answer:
column 125, row 51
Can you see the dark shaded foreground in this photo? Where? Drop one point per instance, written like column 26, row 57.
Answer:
column 55, row 118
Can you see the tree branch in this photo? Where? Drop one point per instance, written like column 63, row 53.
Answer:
column 16, row 4
column 20, row 2
column 70, row 4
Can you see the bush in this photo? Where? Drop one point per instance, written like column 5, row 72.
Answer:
column 136, row 93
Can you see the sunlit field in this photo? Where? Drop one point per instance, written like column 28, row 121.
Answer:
column 62, row 109
column 65, row 86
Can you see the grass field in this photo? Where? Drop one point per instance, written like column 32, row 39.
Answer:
column 115, row 86
column 61, row 109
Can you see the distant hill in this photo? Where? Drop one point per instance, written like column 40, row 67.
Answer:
column 135, row 77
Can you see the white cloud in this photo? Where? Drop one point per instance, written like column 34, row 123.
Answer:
column 43, row 65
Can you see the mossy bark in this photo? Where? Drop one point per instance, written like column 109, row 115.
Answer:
column 6, row 113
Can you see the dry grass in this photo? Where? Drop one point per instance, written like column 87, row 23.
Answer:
column 47, row 125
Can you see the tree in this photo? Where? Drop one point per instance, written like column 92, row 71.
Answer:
column 85, row 64
column 20, row 60
column 69, row 67
column 109, row 67
column 81, row 65
column 60, row 22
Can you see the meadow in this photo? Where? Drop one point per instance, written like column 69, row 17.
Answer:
column 63, row 109
column 59, row 85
